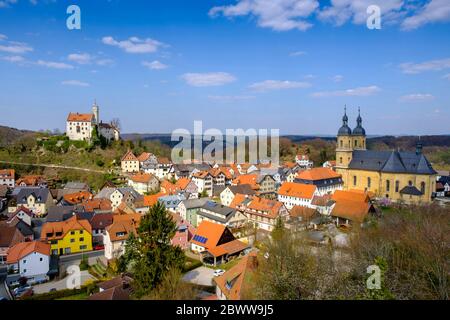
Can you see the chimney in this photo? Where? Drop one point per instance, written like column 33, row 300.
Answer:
column 419, row 148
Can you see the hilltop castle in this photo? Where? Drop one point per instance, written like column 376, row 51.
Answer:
column 395, row 175
column 79, row 126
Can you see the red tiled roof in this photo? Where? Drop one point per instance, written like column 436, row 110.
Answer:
column 23, row 249
column 211, row 231
column 7, row 173
column 80, row 117
column 142, row 177
column 129, row 156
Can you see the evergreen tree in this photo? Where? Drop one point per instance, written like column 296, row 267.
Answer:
column 150, row 254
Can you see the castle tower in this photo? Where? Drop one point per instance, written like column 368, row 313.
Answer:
column 344, row 148
column 359, row 134
column 96, row 112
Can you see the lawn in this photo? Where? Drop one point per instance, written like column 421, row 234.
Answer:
column 81, row 296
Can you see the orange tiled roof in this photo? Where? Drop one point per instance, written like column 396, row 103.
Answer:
column 182, row 183
column 64, row 227
column 129, row 156
column 270, row 208
column 303, row 212
column 353, row 205
column 7, row 173
column 142, row 177
column 233, row 282
column 201, row 174
column 238, row 199
column 163, row 160
column 230, row 247
column 247, row 179
column 151, row 200
column 354, row 195
column 97, row 204
column 289, row 164
column 30, row 180
column 211, row 231
column 144, row 156
column 318, row 174
column 297, row 190
column 123, row 224
column 77, row 197
column 80, row 117
column 23, row 249
column 168, row 187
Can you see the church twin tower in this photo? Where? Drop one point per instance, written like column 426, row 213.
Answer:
column 348, row 141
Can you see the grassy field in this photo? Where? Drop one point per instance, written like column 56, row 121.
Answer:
column 81, row 296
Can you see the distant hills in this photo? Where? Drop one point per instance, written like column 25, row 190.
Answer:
column 10, row 135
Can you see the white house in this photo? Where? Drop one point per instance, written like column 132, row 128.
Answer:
column 23, row 214
column 296, row 194
column 130, row 163
column 30, row 260
column 117, row 234
column 143, row 182
column 7, row 178
column 227, row 195
column 204, row 182
column 109, row 131
column 303, row 161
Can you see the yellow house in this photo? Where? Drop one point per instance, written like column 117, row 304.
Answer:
column 68, row 237
column 395, row 175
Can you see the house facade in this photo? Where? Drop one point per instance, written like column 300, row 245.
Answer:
column 296, row 194
column 130, row 163
column 143, row 182
column 8, row 178
column 326, row 180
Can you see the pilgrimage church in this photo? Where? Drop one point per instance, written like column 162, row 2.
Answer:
column 394, row 175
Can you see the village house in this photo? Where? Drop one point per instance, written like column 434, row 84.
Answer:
column 108, row 131
column 117, row 234
column 30, row 260
column 303, row 161
column 32, row 181
column 8, row 178
column 143, row 182
column 215, row 243
column 130, row 163
column 99, row 222
column 204, row 182
column 227, row 195
column 37, row 200
column 9, row 236
column 117, row 289
column 118, row 195
column 296, row 194
column 188, row 209
column 220, row 214
column 330, row 164
column 326, row 180
column 79, row 197
column 262, row 213
column 351, row 207
column 68, row 237
column 22, row 214
column 171, row 202
column 235, row 283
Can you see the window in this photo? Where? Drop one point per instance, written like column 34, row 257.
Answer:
column 24, row 261
column 410, row 183
column 81, row 231
column 356, row 143
column 369, row 182
column 72, row 240
column 340, row 160
column 72, row 232
column 40, row 259
column 388, row 185
column 342, row 143
column 83, row 247
column 25, row 270
column 354, row 180
column 397, row 186
column 422, row 187
column 81, row 239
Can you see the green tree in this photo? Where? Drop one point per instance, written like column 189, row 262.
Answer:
column 150, row 254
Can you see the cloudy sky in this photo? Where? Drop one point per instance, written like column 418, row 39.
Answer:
column 286, row 64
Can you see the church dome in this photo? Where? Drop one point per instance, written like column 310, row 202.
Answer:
column 359, row 130
column 344, row 131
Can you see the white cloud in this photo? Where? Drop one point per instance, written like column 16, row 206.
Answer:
column 86, row 58
column 280, row 15
column 338, row 78
column 278, row 85
column 54, row 65
column 433, row 11
column 15, row 47
column 342, row 11
column 134, row 44
column 297, row 53
column 3, row 37
column 208, row 79
column 417, row 97
column 360, row 92
column 80, row 58
column 230, row 98
column 154, row 65
column 14, row 59
column 75, row 83
column 447, row 76
column 432, row 65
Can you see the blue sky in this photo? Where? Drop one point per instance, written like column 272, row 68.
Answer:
column 285, row 64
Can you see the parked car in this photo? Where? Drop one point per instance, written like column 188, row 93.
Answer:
column 218, row 272
column 99, row 247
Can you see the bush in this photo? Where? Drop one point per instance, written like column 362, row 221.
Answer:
column 84, row 264
column 191, row 264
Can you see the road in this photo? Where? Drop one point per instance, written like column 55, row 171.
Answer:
column 202, row 276
column 85, row 276
column 75, row 259
column 53, row 166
